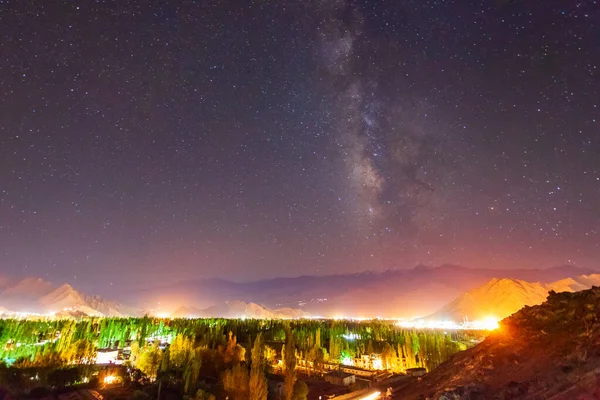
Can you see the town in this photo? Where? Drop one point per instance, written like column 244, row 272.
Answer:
column 315, row 359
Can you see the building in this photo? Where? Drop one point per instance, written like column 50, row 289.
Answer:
column 107, row 356
column 415, row 372
column 369, row 361
column 360, row 372
column 340, row 377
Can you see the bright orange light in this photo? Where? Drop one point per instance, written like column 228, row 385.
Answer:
column 372, row 396
column 109, row 379
column 490, row 324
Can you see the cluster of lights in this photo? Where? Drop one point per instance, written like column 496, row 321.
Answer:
column 34, row 315
column 351, row 336
column 487, row 324
column 348, row 361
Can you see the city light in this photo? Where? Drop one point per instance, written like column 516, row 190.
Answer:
column 351, row 336
column 347, row 361
column 490, row 324
column 372, row 396
column 487, row 324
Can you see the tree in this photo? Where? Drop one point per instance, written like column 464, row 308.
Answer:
column 135, row 352
column 317, row 355
column 64, row 377
column 139, row 395
column 82, row 351
column 181, row 352
column 202, row 394
column 388, row 356
column 300, row 391
column 370, row 347
column 320, row 357
column 234, row 353
column 258, row 389
column 235, row 382
column 270, row 355
column 192, row 371
column 289, row 363
column 149, row 360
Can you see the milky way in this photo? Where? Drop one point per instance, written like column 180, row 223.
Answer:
column 144, row 142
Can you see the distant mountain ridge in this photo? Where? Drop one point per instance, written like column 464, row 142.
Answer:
column 393, row 293
column 238, row 309
column 500, row 298
column 408, row 293
column 36, row 295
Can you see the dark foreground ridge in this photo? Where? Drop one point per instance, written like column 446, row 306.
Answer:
column 549, row 351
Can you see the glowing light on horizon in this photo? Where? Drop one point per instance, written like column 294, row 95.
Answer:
column 487, row 324
column 490, row 324
column 372, row 396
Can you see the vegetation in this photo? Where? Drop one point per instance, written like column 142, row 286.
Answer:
column 289, row 363
column 181, row 352
column 258, row 382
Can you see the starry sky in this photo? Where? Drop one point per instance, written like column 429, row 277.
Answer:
column 152, row 141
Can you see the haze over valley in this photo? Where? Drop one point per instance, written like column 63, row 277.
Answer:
column 448, row 292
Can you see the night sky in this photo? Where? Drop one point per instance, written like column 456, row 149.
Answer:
column 145, row 142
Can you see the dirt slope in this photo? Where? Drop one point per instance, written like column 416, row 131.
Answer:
column 549, row 351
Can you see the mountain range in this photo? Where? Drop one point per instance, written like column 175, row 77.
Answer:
column 398, row 293
column 500, row 298
column 392, row 294
column 238, row 309
column 36, row 295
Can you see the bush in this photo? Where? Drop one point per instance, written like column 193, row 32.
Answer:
column 139, row 395
column 64, row 377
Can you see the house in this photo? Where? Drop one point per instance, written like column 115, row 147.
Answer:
column 415, row 372
column 340, row 378
column 107, row 356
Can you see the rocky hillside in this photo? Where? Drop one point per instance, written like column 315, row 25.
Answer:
column 500, row 298
column 549, row 351
column 497, row 298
